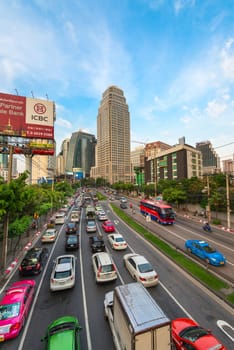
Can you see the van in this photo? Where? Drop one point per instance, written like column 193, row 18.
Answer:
column 60, row 218
column 104, row 267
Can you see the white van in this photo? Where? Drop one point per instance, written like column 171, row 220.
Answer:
column 60, row 218
column 75, row 216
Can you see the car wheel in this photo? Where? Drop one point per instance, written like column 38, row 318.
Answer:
column 189, row 250
column 207, row 261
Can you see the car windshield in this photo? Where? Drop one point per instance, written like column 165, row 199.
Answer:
column 30, row 262
column 62, row 274
column 9, row 311
column 146, row 267
column 119, row 239
column 62, row 327
column 209, row 249
column 193, row 333
column 107, row 268
column 72, row 239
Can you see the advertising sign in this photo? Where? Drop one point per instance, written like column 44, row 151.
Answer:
column 26, row 117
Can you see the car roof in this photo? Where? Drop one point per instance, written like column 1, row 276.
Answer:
column 138, row 258
column 15, row 292
column 63, row 267
column 116, row 235
column 104, row 257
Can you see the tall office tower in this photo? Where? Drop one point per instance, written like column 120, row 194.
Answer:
column 113, row 138
column 62, row 158
column 81, row 153
column 210, row 159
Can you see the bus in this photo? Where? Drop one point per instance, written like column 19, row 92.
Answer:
column 60, row 218
column 158, row 211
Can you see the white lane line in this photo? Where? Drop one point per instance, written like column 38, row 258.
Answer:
column 89, row 343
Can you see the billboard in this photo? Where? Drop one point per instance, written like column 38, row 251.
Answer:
column 26, row 117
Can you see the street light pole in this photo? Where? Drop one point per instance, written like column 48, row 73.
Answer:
column 228, row 203
column 208, row 197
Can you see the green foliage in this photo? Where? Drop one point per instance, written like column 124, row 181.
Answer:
column 174, row 195
column 19, row 226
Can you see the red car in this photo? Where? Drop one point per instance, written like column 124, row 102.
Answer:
column 108, row 226
column 187, row 334
column 14, row 308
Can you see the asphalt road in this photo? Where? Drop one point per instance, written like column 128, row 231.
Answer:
column 177, row 293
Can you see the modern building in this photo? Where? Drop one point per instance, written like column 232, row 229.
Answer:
column 40, row 166
column 62, row 158
column 210, row 159
column 228, row 166
column 181, row 161
column 112, row 161
column 138, row 165
column 80, row 153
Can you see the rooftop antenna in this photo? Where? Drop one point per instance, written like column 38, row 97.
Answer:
column 47, row 97
column 16, row 92
column 32, row 94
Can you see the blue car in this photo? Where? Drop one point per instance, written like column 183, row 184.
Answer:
column 204, row 251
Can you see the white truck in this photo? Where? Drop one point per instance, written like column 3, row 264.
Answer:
column 136, row 320
column 75, row 216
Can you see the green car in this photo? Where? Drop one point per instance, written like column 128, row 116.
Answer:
column 63, row 333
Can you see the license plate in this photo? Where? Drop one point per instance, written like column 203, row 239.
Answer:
column 2, row 338
column 29, row 268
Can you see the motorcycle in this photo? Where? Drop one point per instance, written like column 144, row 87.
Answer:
column 207, row 228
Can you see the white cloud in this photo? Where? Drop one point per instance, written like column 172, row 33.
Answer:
column 179, row 5
column 215, row 109
column 227, row 59
column 64, row 123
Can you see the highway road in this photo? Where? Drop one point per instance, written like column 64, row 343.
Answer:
column 177, row 293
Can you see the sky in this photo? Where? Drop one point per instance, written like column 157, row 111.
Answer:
column 173, row 59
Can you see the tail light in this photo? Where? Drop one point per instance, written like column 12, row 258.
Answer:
column 142, row 279
column 99, row 271
column 114, row 267
column 38, row 266
column 15, row 326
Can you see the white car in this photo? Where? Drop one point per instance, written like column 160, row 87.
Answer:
column 49, row 236
column 117, row 241
column 104, row 267
column 140, row 269
column 102, row 216
column 63, row 273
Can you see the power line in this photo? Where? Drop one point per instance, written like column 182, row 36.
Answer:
column 227, row 144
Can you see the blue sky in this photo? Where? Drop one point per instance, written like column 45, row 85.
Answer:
column 174, row 60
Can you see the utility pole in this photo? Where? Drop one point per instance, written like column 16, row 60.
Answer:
column 6, row 219
column 208, row 199
column 228, row 203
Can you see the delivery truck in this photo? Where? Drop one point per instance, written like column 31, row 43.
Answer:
column 136, row 320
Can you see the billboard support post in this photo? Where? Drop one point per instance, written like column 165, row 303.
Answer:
column 6, row 219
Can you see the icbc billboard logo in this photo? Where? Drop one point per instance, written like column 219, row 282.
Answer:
column 39, row 108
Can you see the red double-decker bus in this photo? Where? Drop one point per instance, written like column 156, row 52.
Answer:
column 158, row 211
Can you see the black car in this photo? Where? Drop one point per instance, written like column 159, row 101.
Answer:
column 72, row 242
column 96, row 244
column 33, row 261
column 71, row 228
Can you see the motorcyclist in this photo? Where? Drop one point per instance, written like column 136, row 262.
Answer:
column 207, row 227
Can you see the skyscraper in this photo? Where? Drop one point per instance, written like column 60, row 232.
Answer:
column 113, row 138
column 81, row 152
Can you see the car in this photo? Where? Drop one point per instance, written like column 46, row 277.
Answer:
column 188, row 334
column 102, row 216
column 108, row 226
column 71, row 228
column 104, row 267
column 203, row 250
column 91, row 226
column 63, row 333
column 63, row 273
column 49, row 236
column 14, row 308
column 72, row 242
column 96, row 244
column 140, row 269
column 123, row 199
column 123, row 205
column 33, row 261
column 117, row 241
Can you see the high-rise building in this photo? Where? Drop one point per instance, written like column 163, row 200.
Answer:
column 210, row 159
column 81, row 153
column 113, row 138
column 62, row 158
column 138, row 165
